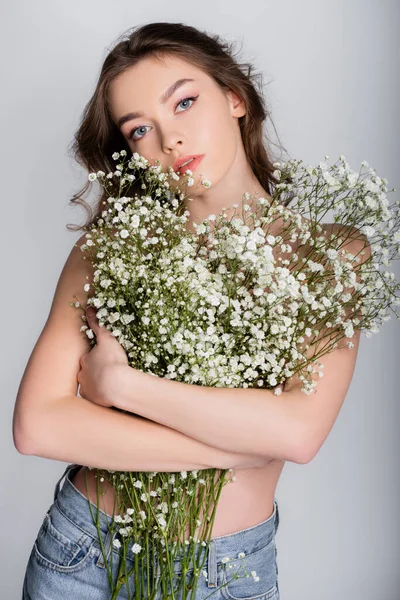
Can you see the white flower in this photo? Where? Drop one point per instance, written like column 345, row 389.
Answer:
column 349, row 330
column 136, row 548
column 371, row 202
column 332, row 253
column 367, row 230
column 135, row 221
column 162, row 522
column 163, row 507
column 200, row 228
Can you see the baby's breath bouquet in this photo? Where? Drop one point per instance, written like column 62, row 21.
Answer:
column 247, row 300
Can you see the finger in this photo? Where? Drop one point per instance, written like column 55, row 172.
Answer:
column 95, row 326
column 91, row 313
column 92, row 320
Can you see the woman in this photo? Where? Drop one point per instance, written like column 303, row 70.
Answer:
column 168, row 92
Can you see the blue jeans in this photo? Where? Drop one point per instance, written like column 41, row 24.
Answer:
column 66, row 560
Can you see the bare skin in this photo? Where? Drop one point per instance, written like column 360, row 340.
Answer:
column 243, row 503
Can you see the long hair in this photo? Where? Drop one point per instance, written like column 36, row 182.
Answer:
column 97, row 136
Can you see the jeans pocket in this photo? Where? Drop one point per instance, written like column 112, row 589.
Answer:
column 239, row 582
column 55, row 551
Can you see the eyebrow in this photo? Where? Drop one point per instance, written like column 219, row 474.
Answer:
column 164, row 98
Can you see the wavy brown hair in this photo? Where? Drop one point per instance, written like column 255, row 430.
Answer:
column 97, row 136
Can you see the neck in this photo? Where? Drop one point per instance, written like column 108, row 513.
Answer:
column 226, row 192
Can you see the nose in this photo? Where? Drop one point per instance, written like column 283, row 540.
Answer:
column 171, row 141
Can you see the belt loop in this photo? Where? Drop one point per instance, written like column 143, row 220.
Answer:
column 58, row 484
column 212, row 564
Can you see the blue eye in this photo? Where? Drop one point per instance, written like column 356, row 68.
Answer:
column 131, row 135
column 184, row 100
column 134, row 131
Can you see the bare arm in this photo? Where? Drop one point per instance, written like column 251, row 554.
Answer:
column 250, row 421
column 72, row 429
column 51, row 421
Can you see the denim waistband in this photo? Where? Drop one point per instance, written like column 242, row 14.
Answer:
column 75, row 506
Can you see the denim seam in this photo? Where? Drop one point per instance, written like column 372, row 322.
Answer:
column 84, row 531
column 48, row 564
column 266, row 596
column 272, row 540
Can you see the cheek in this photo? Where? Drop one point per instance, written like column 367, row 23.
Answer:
column 216, row 137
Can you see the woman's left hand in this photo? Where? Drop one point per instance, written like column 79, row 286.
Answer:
column 99, row 364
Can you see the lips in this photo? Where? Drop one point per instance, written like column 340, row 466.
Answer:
column 197, row 158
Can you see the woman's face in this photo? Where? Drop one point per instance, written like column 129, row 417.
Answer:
column 196, row 117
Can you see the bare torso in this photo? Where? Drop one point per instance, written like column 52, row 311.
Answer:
column 243, row 503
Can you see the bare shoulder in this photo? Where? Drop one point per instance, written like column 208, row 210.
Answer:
column 52, row 368
column 350, row 240
column 76, row 273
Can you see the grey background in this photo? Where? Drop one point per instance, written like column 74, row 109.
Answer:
column 333, row 87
